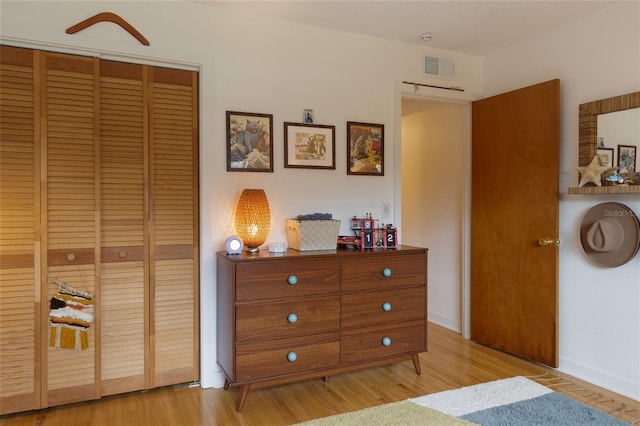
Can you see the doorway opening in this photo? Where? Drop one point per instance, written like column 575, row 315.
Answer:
column 435, row 172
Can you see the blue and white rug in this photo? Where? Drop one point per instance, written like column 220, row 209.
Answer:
column 515, row 401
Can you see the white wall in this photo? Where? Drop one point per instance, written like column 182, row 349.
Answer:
column 435, row 148
column 595, row 57
column 256, row 65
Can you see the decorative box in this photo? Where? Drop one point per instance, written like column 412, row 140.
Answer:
column 308, row 235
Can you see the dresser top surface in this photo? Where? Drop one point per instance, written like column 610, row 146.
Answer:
column 291, row 253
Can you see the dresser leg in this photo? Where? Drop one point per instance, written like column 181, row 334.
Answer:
column 244, row 391
column 226, row 384
column 416, row 363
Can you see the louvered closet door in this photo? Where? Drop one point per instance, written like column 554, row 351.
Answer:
column 99, row 189
column 174, row 226
column 72, row 211
column 124, row 260
column 19, row 213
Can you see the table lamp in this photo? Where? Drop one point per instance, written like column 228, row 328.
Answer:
column 253, row 218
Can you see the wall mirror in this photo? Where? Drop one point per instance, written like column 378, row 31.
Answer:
column 619, row 140
column 588, row 133
column 588, row 122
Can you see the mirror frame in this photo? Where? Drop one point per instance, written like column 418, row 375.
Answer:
column 588, row 122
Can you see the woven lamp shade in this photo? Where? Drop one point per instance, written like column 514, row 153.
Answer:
column 253, row 218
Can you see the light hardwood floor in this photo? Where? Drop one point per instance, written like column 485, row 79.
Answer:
column 451, row 362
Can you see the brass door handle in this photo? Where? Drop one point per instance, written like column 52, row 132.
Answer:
column 546, row 242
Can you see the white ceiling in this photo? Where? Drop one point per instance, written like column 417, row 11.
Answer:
column 474, row 27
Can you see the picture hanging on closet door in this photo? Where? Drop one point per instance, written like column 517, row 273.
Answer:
column 249, row 142
column 70, row 315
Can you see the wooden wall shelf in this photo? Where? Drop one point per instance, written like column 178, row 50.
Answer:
column 631, row 189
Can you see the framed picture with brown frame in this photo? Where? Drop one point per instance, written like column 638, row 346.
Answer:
column 249, row 142
column 626, row 158
column 605, row 156
column 365, row 149
column 309, row 146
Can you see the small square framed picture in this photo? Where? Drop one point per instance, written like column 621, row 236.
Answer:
column 307, row 116
column 249, row 142
column 365, row 149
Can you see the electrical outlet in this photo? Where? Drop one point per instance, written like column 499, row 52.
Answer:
column 386, row 210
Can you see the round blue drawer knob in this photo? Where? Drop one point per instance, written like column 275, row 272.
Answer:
column 292, row 280
column 386, row 306
column 292, row 318
column 386, row 341
column 292, row 356
column 386, row 272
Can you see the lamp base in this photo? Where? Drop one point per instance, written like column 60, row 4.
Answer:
column 251, row 249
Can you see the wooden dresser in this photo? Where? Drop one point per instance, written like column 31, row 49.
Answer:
column 297, row 315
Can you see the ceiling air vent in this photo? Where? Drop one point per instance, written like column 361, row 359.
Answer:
column 439, row 67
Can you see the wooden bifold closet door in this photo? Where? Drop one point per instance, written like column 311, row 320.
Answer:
column 99, row 190
column 20, row 300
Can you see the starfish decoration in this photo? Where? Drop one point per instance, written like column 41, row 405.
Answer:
column 593, row 172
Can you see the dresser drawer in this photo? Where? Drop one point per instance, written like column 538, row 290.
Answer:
column 261, row 360
column 371, row 342
column 383, row 306
column 383, row 271
column 280, row 320
column 287, row 278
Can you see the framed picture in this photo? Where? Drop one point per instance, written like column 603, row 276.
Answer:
column 307, row 116
column 365, row 149
column 249, row 142
column 626, row 158
column 309, row 146
column 605, row 156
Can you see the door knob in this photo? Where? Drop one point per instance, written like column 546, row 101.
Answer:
column 546, row 242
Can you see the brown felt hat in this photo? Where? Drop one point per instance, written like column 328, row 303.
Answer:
column 610, row 234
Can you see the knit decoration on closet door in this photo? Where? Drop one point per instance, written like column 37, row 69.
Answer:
column 70, row 314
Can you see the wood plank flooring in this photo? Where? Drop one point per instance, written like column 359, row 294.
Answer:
column 451, row 362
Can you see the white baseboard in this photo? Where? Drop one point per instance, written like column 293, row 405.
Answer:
column 622, row 385
column 214, row 379
column 450, row 323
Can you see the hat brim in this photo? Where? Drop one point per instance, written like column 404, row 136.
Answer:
column 630, row 224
